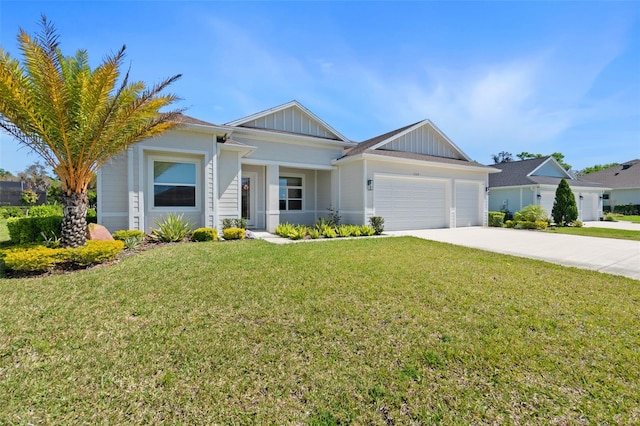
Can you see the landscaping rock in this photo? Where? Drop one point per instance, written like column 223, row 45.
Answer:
column 98, row 232
column 249, row 235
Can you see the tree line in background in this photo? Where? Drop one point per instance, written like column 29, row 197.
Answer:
column 506, row 157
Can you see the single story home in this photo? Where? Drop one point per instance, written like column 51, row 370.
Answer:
column 534, row 182
column 287, row 165
column 622, row 181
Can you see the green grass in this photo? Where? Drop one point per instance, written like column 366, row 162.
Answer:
column 621, row 234
column 634, row 219
column 375, row 331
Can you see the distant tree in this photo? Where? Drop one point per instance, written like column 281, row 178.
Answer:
column 565, row 210
column 557, row 155
column 36, row 176
column 5, row 174
column 502, row 157
column 75, row 117
column 596, row 168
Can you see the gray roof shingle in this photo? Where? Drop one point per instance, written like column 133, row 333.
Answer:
column 515, row 173
column 625, row 175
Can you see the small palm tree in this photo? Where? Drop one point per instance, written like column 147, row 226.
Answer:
column 76, row 118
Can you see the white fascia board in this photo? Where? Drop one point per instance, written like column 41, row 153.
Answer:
column 239, row 122
column 412, row 161
column 276, row 136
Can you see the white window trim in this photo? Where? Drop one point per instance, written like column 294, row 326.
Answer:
column 302, row 187
column 151, row 184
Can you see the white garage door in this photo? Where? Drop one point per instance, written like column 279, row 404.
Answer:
column 588, row 207
column 468, row 207
column 410, row 203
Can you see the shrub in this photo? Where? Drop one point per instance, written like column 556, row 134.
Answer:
column 204, row 234
column 530, row 213
column 610, row 217
column 94, row 252
column 233, row 233
column 123, row 234
column 577, row 223
column 367, row 230
column 92, row 216
column 29, row 197
column 510, row 224
column 496, row 219
column 564, row 209
column 284, row 229
column 298, row 232
column 334, row 218
column 35, row 258
column 12, row 211
column 131, row 243
column 46, row 210
column 377, row 223
column 627, row 209
column 526, row 224
column 32, row 229
column 31, row 259
column 171, row 228
column 314, row 233
column 344, row 230
column 234, row 223
column 328, row 232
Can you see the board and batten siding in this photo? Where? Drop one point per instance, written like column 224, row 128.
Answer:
column 113, row 205
column 292, row 120
column 423, row 140
column 550, row 169
column 228, row 185
column 352, row 186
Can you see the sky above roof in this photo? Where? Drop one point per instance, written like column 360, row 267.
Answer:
column 540, row 77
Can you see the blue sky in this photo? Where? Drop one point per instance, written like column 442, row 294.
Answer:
column 493, row 76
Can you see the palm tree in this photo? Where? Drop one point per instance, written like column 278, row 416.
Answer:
column 74, row 117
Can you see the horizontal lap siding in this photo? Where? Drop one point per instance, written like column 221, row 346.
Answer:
column 114, row 191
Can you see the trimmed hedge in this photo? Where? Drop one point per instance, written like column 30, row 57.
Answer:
column 496, row 219
column 31, row 229
column 625, row 209
column 233, row 234
column 124, row 234
column 34, row 258
column 205, row 234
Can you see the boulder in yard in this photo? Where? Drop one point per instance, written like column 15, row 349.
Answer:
column 98, row 232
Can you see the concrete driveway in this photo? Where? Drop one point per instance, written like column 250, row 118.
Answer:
column 619, row 257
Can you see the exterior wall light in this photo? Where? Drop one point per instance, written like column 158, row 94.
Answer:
column 370, row 184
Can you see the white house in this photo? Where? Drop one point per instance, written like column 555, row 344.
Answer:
column 622, row 181
column 534, row 182
column 287, row 165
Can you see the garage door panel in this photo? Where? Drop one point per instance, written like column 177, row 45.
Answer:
column 410, row 203
column 468, row 204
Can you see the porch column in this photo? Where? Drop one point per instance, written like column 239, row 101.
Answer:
column 272, row 196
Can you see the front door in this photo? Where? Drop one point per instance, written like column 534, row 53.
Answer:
column 248, row 195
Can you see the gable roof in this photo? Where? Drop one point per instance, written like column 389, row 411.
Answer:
column 533, row 172
column 417, row 141
column 186, row 119
column 625, row 175
column 290, row 117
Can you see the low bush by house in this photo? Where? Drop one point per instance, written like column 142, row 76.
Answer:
column 204, row 234
column 233, row 233
column 496, row 219
column 37, row 258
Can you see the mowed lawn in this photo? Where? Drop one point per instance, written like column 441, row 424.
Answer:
column 372, row 331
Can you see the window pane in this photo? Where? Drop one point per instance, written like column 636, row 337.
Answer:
column 295, row 193
column 295, row 204
column 174, row 196
column 283, row 204
column 169, row 172
column 283, row 194
column 294, row 181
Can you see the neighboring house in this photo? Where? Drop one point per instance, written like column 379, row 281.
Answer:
column 287, row 165
column 534, row 182
column 623, row 181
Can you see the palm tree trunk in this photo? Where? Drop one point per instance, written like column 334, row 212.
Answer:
column 74, row 223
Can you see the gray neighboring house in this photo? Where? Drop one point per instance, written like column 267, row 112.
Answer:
column 623, row 181
column 534, row 182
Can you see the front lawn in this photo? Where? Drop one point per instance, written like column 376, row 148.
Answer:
column 634, row 219
column 621, row 234
column 376, row 331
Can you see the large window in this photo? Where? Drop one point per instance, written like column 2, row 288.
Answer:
column 290, row 193
column 174, row 184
